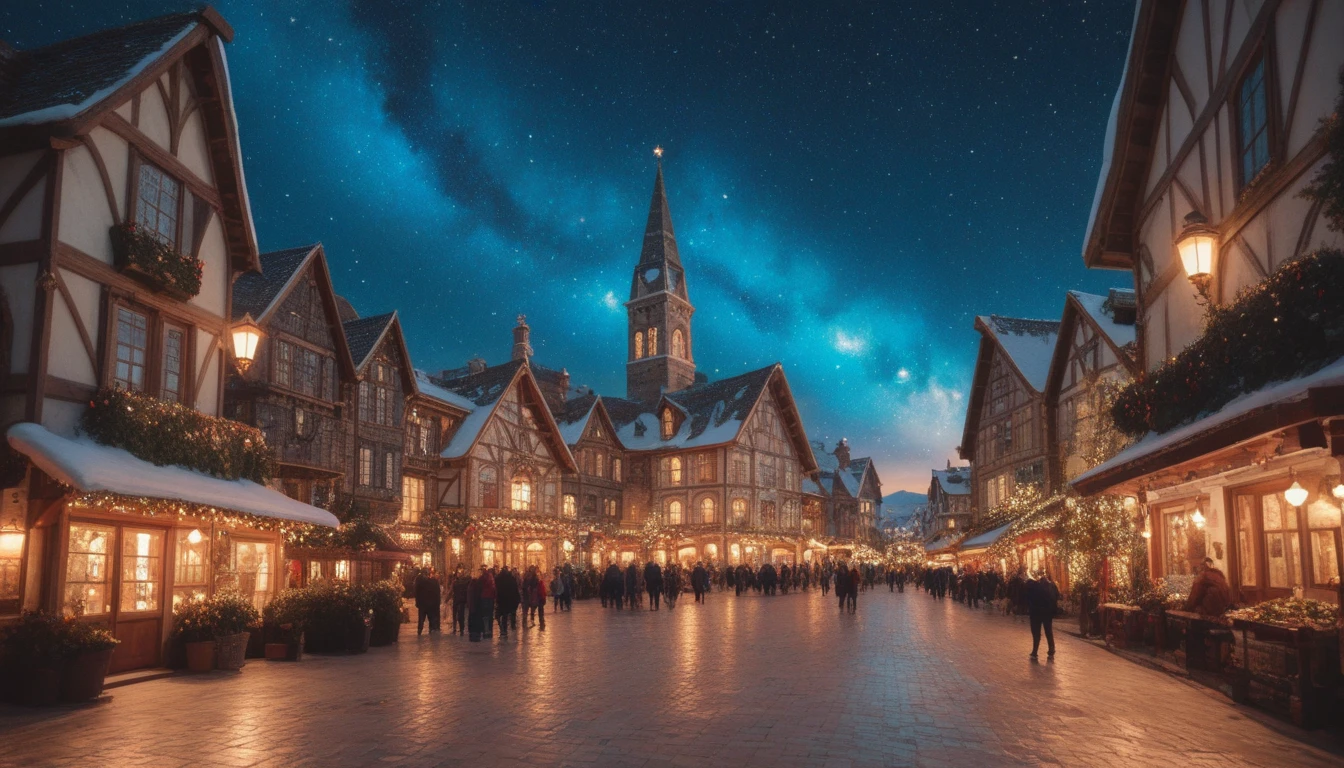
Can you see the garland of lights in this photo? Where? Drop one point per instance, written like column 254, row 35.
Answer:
column 174, row 434
column 178, row 510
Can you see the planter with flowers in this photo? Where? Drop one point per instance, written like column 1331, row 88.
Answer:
column 285, row 619
column 214, row 630
column 383, row 600
column 141, row 254
column 339, row 620
column 45, row 658
column 1286, row 658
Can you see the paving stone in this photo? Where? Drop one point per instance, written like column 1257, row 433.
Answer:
column 775, row 681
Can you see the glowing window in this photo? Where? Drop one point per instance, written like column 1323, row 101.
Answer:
column 667, row 424
column 571, row 506
column 653, row 342
column 674, row 470
column 521, row 496
column 674, row 512
column 707, row 510
column 678, row 343
column 639, row 344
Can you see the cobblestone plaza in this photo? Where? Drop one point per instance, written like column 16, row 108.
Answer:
column 769, row 681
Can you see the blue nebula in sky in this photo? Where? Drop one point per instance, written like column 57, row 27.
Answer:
column 851, row 183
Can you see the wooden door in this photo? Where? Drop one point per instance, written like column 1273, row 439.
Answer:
column 137, row 608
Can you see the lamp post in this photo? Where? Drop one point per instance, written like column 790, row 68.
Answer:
column 1196, row 244
column 246, row 335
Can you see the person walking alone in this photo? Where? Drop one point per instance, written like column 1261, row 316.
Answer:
column 558, row 590
column 461, row 581
column 428, row 597
column 653, row 583
column 700, row 582
column 1042, row 599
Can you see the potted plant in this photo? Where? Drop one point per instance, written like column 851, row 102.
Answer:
column 194, row 627
column 337, row 622
column 87, row 650
column 383, row 600
column 31, row 652
column 285, row 617
column 233, row 615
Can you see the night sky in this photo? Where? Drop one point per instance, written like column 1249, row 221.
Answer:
column 851, row 183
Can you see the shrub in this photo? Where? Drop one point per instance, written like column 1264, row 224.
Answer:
column 42, row 639
column 233, row 613
column 226, row 613
column 383, row 598
column 171, row 433
column 289, row 608
column 157, row 261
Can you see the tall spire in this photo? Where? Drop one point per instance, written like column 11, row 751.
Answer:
column 659, row 267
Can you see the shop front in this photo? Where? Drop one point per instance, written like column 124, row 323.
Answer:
column 126, row 540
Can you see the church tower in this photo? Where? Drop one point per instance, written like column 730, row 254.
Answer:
column 659, row 310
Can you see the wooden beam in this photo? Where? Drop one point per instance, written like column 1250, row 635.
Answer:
column 1270, row 186
column 79, row 322
column 34, row 175
column 22, row 252
column 162, row 158
column 1297, row 74
column 80, row 263
column 69, row 391
column 102, row 174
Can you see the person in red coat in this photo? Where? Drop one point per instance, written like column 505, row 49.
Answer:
column 1210, row 595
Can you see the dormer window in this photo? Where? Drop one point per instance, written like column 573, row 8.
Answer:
column 668, row 424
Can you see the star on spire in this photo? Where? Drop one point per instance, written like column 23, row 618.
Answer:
column 658, row 152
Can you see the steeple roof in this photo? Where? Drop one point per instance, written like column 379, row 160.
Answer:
column 659, row 267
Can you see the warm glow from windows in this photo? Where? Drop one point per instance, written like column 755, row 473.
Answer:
column 678, row 343
column 521, row 496
column 639, row 345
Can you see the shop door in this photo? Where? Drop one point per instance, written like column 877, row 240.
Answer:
column 114, row 574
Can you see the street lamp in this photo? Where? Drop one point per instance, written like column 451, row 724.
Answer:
column 246, row 336
column 1196, row 244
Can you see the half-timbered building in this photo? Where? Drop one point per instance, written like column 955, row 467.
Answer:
column 434, row 415
column 1216, row 129
column 853, row 496
column 1005, row 433
column 592, row 496
column 115, row 146
column 949, row 505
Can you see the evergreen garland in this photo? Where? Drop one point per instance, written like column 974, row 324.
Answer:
column 1289, row 325
column 174, row 434
column 155, row 261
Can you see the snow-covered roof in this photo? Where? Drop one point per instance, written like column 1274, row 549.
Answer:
column 955, row 481
column 986, row 539
column 1271, row 394
column 1030, row 344
column 426, row 386
column 571, row 431
column 1102, row 311
column 715, row 413
column 1112, row 130
column 92, row 467
column 810, row 486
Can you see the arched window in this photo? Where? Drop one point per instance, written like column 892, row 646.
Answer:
column 768, row 513
column 739, row 511
column 521, row 497
column 639, row 344
column 674, row 471
column 667, row 424
column 489, row 484
column 571, row 506
column 678, row 343
column 674, row 512
column 707, row 510
column 653, row 342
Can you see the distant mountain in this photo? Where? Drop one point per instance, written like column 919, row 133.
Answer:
column 898, row 507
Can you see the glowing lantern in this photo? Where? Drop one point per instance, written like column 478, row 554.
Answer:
column 246, row 336
column 1296, row 494
column 1197, row 244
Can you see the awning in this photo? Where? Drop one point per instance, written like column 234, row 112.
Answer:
column 945, row 543
column 983, row 541
column 92, row 467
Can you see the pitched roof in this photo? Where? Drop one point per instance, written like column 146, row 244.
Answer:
column 62, row 80
column 426, row 386
column 955, row 481
column 573, row 418
column 1102, row 311
column 1029, row 344
column 484, row 391
column 715, row 413
column 363, row 335
column 254, row 292
column 658, row 255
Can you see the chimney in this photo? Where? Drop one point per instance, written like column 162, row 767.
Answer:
column 564, row 384
column 841, row 453
column 475, row 365
column 522, row 349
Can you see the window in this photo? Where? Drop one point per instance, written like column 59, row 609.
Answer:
column 678, row 343
column 141, row 570
column 616, row 469
column 389, row 470
column 157, row 204
column 768, row 478
column 412, row 499
column 489, row 483
column 674, row 512
column 768, row 513
column 189, row 565
column 707, row 510
column 739, row 511
column 790, row 480
column 521, row 496
column 1282, row 550
column 704, row 472
column 1246, row 550
column 366, row 466
column 739, row 473
column 1252, row 122
column 653, row 342
column 132, row 348
column 364, row 403
column 307, row 370
column 590, row 506
column 600, row 469
column 1323, row 523
column 571, row 509
column 284, row 364
column 668, row 426
column 174, row 340
column 252, row 562
column 1182, row 542
column 639, row 345
column 612, row 510
column 301, row 422
column 88, row 587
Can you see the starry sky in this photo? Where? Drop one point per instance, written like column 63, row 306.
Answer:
column 850, row 182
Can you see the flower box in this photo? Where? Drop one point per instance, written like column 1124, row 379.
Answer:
column 139, row 254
